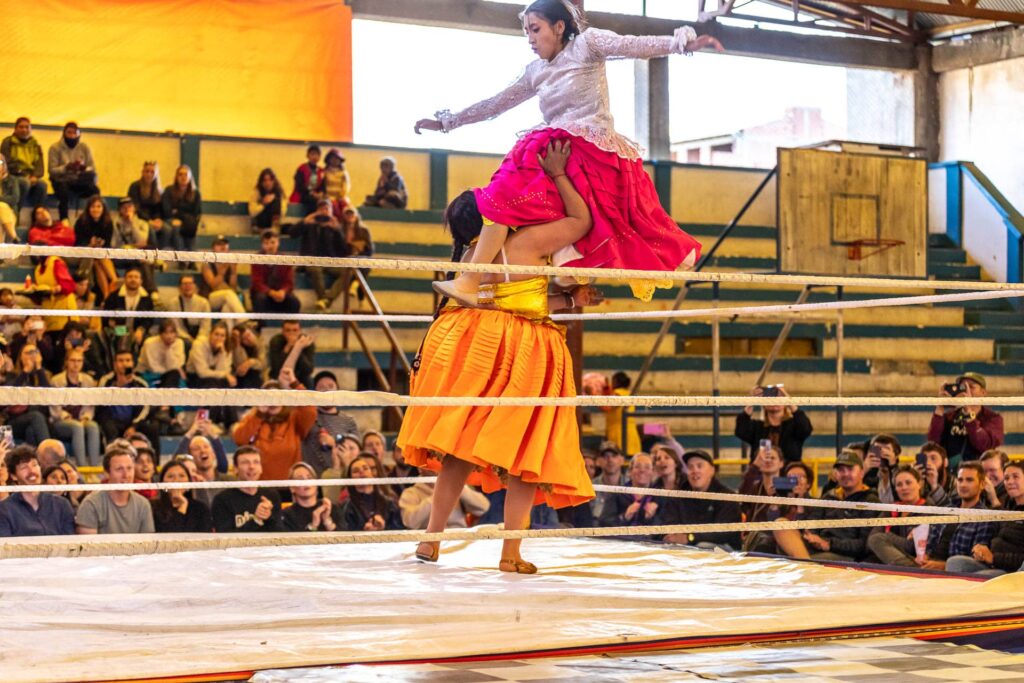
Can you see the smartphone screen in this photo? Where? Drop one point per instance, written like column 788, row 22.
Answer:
column 766, row 444
column 784, row 483
column 921, row 459
column 7, row 435
column 203, row 414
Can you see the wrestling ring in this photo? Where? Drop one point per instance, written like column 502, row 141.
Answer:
column 356, row 606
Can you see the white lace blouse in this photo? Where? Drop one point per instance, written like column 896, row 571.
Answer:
column 573, row 87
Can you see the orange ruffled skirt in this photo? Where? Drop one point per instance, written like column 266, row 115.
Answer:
column 476, row 352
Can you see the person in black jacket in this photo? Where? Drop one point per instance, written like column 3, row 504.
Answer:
column 700, row 476
column 183, row 209
column 320, row 234
column 369, row 508
column 129, row 332
column 309, row 512
column 786, row 426
column 628, row 509
column 177, row 511
column 1005, row 552
column 252, row 509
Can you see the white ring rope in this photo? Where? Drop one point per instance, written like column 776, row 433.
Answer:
column 137, row 396
column 724, row 312
column 602, row 488
column 9, row 251
column 148, row 544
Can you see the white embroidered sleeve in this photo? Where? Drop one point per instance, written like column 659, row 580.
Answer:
column 608, row 44
column 510, row 97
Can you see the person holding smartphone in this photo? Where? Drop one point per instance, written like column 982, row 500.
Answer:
column 880, row 462
column 759, row 480
column 786, row 426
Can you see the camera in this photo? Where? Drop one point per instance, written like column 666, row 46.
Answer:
column 953, row 389
column 784, row 484
column 320, row 218
column 771, row 391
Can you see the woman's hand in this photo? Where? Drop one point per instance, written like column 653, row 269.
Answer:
column 982, row 553
column 701, row 42
column 427, row 124
column 555, row 158
column 631, row 511
column 587, row 295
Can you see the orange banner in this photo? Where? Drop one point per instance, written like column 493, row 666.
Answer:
column 252, row 68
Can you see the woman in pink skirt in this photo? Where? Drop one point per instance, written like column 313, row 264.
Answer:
column 631, row 229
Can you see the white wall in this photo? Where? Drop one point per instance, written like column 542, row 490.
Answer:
column 937, row 200
column 981, row 121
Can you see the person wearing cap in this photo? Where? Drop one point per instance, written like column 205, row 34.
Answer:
column 847, row 544
column 701, row 475
column 319, row 443
column 308, row 512
column 72, row 169
column 966, row 431
column 609, row 473
column 267, row 206
column 336, row 182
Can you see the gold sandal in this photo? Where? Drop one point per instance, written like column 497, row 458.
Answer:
column 435, row 547
column 517, row 566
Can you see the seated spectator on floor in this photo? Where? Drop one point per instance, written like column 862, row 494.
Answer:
column 701, row 475
column 880, row 462
column 759, row 480
column 145, row 470
column 308, row 512
column 45, row 231
column 10, row 199
column 147, row 195
column 787, row 427
column 277, row 431
column 320, row 234
column 268, row 205
column 939, row 484
column 968, row 431
column 248, row 355
column 219, row 282
column 669, row 472
column 72, row 169
column 292, row 348
column 318, row 446
column 308, row 179
column 162, row 358
column 948, row 540
column 634, row 509
column 32, row 514
column 897, row 544
column 390, row 192
column 28, row 423
column 177, row 511
column 369, row 508
column 183, row 210
column 839, row 544
column 994, row 462
column 209, row 362
column 75, row 424
column 1005, row 552
column 415, row 504
column 795, row 483
column 52, row 288
column 336, row 182
column 24, row 158
column 609, row 464
column 115, row 512
column 248, row 509
column 131, row 232
column 132, row 296
column 114, row 420
column 272, row 288
column 188, row 300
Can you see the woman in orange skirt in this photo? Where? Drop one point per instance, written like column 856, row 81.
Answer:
column 508, row 347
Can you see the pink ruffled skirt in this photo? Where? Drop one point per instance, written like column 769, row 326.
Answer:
column 631, row 229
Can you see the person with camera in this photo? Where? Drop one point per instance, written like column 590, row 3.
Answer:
column 880, row 462
column 787, row 426
column 966, row 431
column 760, row 480
column 320, row 234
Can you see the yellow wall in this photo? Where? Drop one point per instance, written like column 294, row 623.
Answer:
column 119, row 158
column 710, row 195
column 467, row 171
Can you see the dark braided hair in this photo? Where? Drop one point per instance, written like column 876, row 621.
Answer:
column 553, row 11
column 463, row 220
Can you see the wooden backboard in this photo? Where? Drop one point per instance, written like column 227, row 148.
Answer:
column 852, row 214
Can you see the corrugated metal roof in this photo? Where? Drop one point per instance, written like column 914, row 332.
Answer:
column 927, row 20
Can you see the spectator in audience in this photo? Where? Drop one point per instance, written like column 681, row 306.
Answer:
column 968, row 431
column 701, row 475
column 145, row 470
column 73, row 478
column 75, row 423
column 147, row 194
column 320, row 234
column 369, row 508
column 183, row 209
column 32, row 514
column 45, row 231
column 336, row 183
column 50, row 452
column 994, row 462
column 52, row 288
column 609, row 463
column 404, row 469
column 115, row 512
column 277, row 431
column 28, row 423
column 1005, row 552
column 33, row 331
column 86, row 299
column 10, row 200
column 319, row 444
column 115, row 420
column 759, row 480
column 248, row 509
column 162, row 358
column 896, row 544
column 4, row 475
column 359, row 240
column 272, row 288
column 207, row 457
column 343, row 449
column 210, row 362
column 308, row 179
column 74, row 337
column 948, row 540
column 189, row 301
column 390, row 192
column 248, row 355
column 56, row 476
column 176, row 511
column 308, row 512
column 416, row 501
column 373, row 442
column 131, row 232
column 840, row 544
column 291, row 348
column 667, row 456
column 219, row 281
column 72, row 169
column 787, row 427
column 10, row 325
column 613, row 417
column 95, row 228
column 880, row 462
column 939, row 485
column 129, row 332
column 267, row 206
column 796, row 483
column 24, row 158
column 634, row 509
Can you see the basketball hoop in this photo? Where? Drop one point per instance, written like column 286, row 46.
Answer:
column 858, row 250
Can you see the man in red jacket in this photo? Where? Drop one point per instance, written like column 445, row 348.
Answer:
column 272, row 288
column 967, row 431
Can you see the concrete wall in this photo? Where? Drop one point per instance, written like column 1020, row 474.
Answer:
column 980, row 111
